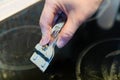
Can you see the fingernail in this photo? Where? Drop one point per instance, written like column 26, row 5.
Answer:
column 60, row 43
column 44, row 40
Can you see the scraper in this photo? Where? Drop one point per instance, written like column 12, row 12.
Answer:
column 43, row 55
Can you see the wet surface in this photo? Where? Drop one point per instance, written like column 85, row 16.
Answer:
column 17, row 46
column 61, row 71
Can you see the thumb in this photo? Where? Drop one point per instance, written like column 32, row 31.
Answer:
column 68, row 31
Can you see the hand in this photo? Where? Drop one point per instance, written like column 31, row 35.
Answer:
column 77, row 11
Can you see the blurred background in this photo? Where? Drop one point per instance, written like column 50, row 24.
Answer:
column 90, row 54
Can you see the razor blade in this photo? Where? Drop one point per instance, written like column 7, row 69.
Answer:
column 43, row 55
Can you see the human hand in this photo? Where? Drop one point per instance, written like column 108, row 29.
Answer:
column 77, row 11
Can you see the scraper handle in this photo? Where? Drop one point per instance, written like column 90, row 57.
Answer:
column 60, row 21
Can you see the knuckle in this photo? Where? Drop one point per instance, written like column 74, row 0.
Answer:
column 82, row 18
column 67, row 35
column 41, row 23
